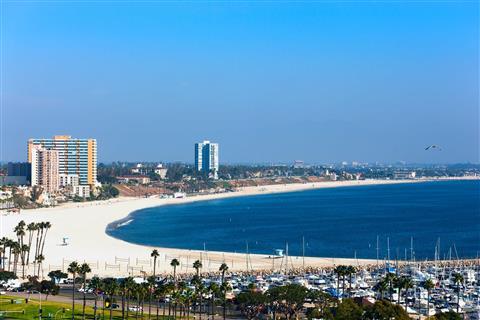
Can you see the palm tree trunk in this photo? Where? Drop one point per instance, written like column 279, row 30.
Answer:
column 458, row 298
column 39, row 242
column 30, row 238
column 128, row 302
column 95, row 308
column 36, row 244
column 350, row 285
column 111, row 307
column 43, row 243
column 9, row 258
column 213, row 306
column 84, row 295
column 428, row 303
column 406, row 296
column 150, row 304
column 103, row 306
column 224, row 306
column 338, row 287
column 73, row 297
column 164, row 309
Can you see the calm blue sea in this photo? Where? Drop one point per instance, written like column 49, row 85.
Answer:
column 336, row 222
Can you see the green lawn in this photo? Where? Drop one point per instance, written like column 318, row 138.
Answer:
column 50, row 310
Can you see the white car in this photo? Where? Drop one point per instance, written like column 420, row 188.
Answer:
column 135, row 308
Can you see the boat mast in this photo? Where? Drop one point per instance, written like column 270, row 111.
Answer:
column 377, row 250
column 286, row 258
column 303, row 252
column 246, row 256
column 388, row 249
column 411, row 248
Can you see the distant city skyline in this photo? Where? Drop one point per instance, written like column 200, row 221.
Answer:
column 271, row 83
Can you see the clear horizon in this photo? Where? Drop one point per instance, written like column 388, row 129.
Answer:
column 270, row 82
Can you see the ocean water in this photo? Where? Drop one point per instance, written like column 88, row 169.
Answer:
column 336, row 222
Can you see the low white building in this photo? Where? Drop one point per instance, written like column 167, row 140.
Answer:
column 68, row 180
column 80, row 191
column 404, row 175
column 161, row 171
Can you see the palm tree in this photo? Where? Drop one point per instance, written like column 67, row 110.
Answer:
column 154, row 255
column 20, row 232
column 10, row 244
column 3, row 243
column 398, row 283
column 169, row 289
column 160, row 291
column 407, row 284
column 46, row 226
column 458, row 280
column 25, row 248
column 341, row 272
column 224, row 268
column 212, row 289
column 40, row 259
column 382, row 287
column 31, row 227
column 350, row 271
column 428, row 285
column 151, row 286
column 197, row 265
column 129, row 285
column 95, row 284
column 122, row 286
column 73, row 268
column 110, row 286
column 144, row 288
column 16, row 252
column 188, row 297
column 83, row 270
column 38, row 239
column 174, row 263
column 390, row 278
column 200, row 291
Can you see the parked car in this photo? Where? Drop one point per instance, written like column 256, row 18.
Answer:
column 135, row 308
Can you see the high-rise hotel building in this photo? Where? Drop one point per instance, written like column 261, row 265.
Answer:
column 206, row 158
column 76, row 157
column 44, row 166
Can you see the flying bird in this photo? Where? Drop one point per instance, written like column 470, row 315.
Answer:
column 433, row 146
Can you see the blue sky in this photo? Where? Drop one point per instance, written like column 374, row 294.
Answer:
column 269, row 81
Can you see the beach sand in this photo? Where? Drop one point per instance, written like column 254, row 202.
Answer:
column 84, row 225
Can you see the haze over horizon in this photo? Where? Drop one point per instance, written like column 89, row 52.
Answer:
column 270, row 82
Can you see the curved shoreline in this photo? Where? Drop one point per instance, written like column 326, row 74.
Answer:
column 85, row 227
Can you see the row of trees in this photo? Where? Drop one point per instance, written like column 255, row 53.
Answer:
column 30, row 242
column 179, row 295
column 392, row 281
column 180, row 299
column 289, row 300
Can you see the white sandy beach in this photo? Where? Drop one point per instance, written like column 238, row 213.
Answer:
column 85, row 223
